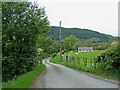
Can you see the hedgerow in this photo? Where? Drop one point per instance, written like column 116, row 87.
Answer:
column 22, row 23
column 110, row 59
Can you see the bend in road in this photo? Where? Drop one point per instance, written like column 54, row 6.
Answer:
column 58, row 76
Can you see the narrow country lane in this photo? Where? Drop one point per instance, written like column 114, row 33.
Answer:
column 58, row 76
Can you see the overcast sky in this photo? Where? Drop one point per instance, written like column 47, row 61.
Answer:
column 97, row 15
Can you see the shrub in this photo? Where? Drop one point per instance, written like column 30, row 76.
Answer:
column 54, row 54
column 110, row 58
column 22, row 23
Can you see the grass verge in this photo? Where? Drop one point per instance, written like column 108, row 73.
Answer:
column 25, row 80
column 0, row 85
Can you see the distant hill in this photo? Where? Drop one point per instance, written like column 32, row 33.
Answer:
column 82, row 34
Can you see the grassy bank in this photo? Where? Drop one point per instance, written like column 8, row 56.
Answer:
column 85, row 61
column 25, row 80
column 0, row 85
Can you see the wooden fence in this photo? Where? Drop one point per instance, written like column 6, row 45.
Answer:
column 81, row 60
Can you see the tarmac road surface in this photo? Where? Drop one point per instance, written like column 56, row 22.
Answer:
column 58, row 76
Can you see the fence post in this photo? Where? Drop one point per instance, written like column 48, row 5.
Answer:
column 66, row 58
column 101, row 58
column 73, row 60
column 94, row 63
column 78, row 60
column 69, row 59
column 91, row 61
column 86, row 61
column 83, row 58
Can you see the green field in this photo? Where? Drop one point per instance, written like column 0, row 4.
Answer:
column 85, row 61
column 84, row 55
column 25, row 80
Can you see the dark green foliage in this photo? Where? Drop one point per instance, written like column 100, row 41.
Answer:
column 87, row 38
column 82, row 34
column 110, row 59
column 45, row 43
column 55, row 46
column 102, row 46
column 54, row 54
column 71, row 43
column 22, row 23
column 48, row 45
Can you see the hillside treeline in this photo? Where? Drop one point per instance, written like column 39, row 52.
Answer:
column 82, row 34
column 87, row 38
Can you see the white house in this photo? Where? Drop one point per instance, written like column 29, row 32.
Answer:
column 83, row 49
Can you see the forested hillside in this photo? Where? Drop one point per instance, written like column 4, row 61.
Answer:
column 82, row 34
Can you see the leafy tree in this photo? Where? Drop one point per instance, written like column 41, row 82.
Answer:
column 102, row 46
column 22, row 23
column 56, row 46
column 71, row 43
column 45, row 43
column 95, row 40
column 88, row 43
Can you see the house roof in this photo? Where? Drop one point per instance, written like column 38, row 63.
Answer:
column 85, row 48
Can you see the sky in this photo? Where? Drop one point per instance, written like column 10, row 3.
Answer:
column 97, row 15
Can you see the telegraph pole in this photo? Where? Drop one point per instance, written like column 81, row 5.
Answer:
column 60, row 40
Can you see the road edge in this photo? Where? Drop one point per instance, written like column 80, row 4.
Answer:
column 90, row 74
column 39, row 78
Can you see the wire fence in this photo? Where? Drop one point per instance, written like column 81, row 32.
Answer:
column 80, row 60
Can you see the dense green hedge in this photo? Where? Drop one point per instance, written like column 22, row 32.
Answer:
column 22, row 24
column 110, row 59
